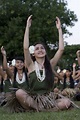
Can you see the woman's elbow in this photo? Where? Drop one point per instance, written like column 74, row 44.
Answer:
column 61, row 50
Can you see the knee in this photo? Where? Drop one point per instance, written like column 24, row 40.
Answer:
column 19, row 93
column 64, row 104
column 67, row 103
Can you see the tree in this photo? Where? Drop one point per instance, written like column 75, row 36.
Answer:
column 69, row 56
column 13, row 15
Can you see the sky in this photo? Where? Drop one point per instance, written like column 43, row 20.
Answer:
column 74, row 5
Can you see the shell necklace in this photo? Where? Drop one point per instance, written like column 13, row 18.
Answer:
column 38, row 74
column 20, row 81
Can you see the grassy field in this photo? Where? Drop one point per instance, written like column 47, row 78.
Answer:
column 73, row 114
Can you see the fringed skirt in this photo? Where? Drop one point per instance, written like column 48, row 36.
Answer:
column 45, row 102
column 12, row 105
column 2, row 99
column 69, row 92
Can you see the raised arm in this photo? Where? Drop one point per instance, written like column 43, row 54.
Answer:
column 27, row 56
column 59, row 53
column 5, row 66
column 4, row 58
column 78, row 57
column 77, row 75
column 74, row 70
column 2, row 72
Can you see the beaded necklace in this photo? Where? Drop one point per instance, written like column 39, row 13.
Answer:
column 38, row 74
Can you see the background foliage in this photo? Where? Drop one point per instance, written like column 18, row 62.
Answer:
column 13, row 16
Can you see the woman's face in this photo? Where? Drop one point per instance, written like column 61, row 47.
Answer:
column 39, row 51
column 11, row 67
column 61, row 74
column 19, row 64
column 68, row 73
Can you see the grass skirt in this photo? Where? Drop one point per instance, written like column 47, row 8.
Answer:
column 12, row 104
column 2, row 99
column 45, row 102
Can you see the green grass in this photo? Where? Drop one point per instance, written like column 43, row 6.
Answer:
column 73, row 114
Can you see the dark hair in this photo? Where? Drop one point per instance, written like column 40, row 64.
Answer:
column 33, row 57
column 1, row 85
column 49, row 74
column 19, row 58
column 10, row 63
column 71, row 82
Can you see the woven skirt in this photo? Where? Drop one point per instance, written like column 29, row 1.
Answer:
column 45, row 102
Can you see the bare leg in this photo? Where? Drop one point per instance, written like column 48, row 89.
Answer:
column 63, row 103
column 25, row 100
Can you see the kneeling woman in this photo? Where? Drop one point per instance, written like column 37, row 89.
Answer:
column 40, row 95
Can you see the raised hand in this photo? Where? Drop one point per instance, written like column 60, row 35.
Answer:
column 78, row 53
column 77, row 76
column 58, row 23
column 3, row 51
column 29, row 20
column 74, row 65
